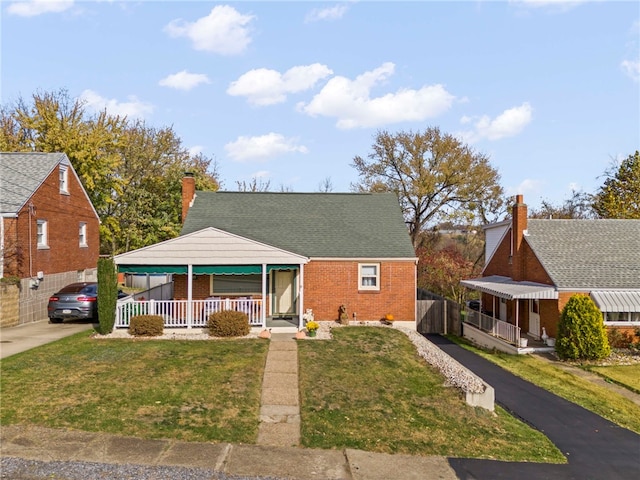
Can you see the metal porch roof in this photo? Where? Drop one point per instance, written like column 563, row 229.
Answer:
column 505, row 287
column 617, row 300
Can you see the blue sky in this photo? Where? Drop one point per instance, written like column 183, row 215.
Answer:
column 290, row 92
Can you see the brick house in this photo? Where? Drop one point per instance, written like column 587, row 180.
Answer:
column 533, row 267
column 279, row 254
column 49, row 230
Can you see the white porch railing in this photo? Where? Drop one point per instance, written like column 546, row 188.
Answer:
column 495, row 327
column 182, row 313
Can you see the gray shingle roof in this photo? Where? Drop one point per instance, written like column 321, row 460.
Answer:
column 312, row 224
column 588, row 254
column 20, row 176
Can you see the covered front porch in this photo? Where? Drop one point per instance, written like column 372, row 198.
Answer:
column 499, row 324
column 214, row 271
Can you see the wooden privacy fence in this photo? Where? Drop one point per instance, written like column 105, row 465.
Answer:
column 439, row 316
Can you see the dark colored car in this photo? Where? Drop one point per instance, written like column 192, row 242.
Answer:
column 77, row 301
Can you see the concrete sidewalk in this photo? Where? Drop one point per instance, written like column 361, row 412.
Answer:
column 25, row 337
column 247, row 461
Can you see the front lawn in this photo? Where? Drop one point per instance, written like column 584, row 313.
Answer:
column 368, row 389
column 187, row 390
column 627, row 376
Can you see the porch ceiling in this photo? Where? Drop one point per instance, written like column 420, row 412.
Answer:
column 617, row 300
column 505, row 287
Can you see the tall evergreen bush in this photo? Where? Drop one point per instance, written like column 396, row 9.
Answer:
column 581, row 332
column 107, row 294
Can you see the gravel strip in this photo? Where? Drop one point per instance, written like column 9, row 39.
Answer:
column 21, row 469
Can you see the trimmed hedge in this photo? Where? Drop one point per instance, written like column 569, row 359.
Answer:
column 146, row 325
column 228, row 323
column 581, row 331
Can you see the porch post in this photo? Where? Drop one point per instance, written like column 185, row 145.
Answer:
column 517, row 308
column 301, row 296
column 263, row 310
column 189, row 295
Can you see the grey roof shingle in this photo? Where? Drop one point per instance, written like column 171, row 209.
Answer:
column 340, row 225
column 20, row 176
column 588, row 254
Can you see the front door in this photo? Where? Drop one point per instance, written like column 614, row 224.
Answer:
column 503, row 310
column 534, row 318
column 283, row 292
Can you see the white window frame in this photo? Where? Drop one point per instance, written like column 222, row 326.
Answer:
column 629, row 322
column 82, row 234
column 362, row 276
column 42, row 239
column 64, row 179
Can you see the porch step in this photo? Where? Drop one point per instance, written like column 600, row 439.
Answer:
column 279, row 402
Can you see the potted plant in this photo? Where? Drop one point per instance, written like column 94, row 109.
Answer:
column 312, row 328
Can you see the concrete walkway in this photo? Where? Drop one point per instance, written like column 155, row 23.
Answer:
column 280, row 401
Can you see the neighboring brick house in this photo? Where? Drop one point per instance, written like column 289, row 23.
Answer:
column 49, row 230
column 533, row 267
column 289, row 252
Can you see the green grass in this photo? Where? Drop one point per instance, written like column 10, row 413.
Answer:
column 596, row 398
column 627, row 376
column 367, row 389
column 187, row 390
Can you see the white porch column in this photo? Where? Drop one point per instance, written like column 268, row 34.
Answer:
column 517, row 308
column 189, row 295
column 263, row 310
column 301, row 296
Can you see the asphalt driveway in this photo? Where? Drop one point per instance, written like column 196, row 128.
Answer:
column 595, row 448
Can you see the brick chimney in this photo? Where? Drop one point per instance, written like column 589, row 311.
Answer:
column 518, row 227
column 188, row 193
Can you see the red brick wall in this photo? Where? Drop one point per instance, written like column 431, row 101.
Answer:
column 328, row 284
column 63, row 213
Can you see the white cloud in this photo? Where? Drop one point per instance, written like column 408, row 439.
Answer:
column 263, row 86
column 330, row 13
column 33, row 8
column 350, row 101
column 224, row 31
column 262, row 147
column 196, row 150
column 527, row 187
column 134, row 108
column 509, row 123
column 184, row 80
column 557, row 5
column 632, row 69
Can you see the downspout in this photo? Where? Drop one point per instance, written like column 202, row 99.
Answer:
column 301, row 296
column 30, row 242
column 189, row 295
column 263, row 310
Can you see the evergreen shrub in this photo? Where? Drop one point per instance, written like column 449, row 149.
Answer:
column 107, row 294
column 146, row 325
column 228, row 323
column 581, row 331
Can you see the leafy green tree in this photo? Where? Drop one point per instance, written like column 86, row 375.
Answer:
column 581, row 331
column 619, row 197
column 107, row 294
column 435, row 176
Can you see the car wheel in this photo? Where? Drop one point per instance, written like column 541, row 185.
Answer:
column 56, row 320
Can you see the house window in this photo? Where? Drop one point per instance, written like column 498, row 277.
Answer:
column 235, row 284
column 369, row 276
column 82, row 234
column 64, row 179
column 626, row 317
column 41, row 233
